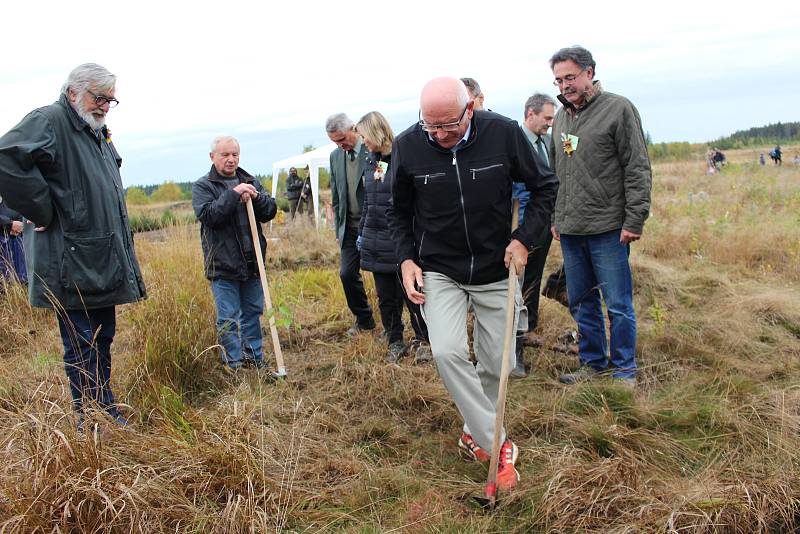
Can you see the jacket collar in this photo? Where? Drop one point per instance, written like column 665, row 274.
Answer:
column 591, row 96
column 241, row 174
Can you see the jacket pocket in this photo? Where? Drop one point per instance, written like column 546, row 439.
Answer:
column 425, row 178
column 477, row 173
column 487, row 185
column 436, row 194
column 90, row 264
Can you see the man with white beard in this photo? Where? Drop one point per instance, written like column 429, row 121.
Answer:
column 60, row 170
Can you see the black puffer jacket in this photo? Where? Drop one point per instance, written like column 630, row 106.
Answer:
column 223, row 231
column 377, row 248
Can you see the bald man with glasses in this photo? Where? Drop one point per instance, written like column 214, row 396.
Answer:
column 451, row 222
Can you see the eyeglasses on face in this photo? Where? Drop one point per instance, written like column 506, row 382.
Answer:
column 446, row 127
column 569, row 78
column 101, row 100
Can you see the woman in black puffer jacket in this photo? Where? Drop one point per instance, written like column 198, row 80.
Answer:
column 376, row 245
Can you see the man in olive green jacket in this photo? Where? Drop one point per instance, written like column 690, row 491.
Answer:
column 600, row 157
column 60, row 170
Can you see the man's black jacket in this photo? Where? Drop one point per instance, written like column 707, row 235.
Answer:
column 451, row 212
column 218, row 210
column 294, row 186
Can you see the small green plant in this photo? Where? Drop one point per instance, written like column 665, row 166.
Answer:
column 659, row 316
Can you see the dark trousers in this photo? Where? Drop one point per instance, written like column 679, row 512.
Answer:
column 293, row 206
column 87, row 336
column 12, row 259
column 533, row 279
column 352, row 283
column 308, row 204
column 390, row 301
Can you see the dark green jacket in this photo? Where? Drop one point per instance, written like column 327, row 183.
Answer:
column 339, row 186
column 57, row 173
column 605, row 183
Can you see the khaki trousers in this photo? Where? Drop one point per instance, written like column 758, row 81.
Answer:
column 473, row 388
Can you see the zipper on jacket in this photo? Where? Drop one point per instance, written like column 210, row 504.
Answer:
column 473, row 171
column 426, row 176
column 421, row 240
column 464, row 213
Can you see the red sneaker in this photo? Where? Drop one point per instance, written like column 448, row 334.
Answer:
column 471, row 449
column 507, row 475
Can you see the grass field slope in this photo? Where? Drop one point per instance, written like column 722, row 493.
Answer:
column 707, row 442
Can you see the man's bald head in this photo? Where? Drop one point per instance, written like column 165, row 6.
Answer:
column 446, row 101
column 444, row 92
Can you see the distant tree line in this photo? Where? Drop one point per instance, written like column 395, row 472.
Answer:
column 786, row 132
column 676, row 151
column 182, row 191
column 780, row 132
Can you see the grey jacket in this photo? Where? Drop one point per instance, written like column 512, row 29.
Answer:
column 339, row 186
column 57, row 173
column 605, row 183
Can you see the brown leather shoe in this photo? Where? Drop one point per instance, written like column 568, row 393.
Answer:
column 529, row 339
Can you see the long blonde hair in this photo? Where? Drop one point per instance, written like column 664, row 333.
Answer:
column 375, row 127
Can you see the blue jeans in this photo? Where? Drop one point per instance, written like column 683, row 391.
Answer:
column 239, row 306
column 87, row 336
column 598, row 264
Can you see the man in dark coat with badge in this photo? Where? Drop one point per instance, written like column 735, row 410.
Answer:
column 60, row 170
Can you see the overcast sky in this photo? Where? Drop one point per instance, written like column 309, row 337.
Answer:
column 271, row 73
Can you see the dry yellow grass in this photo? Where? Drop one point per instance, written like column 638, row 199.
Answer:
column 707, row 442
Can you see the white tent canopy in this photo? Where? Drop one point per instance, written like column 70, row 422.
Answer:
column 315, row 159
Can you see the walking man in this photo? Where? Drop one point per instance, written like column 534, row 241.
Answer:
column 347, row 196
column 219, row 200
column 60, row 170
column 450, row 220
column 599, row 152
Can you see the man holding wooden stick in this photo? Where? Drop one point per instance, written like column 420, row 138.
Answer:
column 451, row 222
column 219, row 200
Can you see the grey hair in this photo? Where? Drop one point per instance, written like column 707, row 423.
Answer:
column 84, row 76
column 536, row 102
column 578, row 54
column 338, row 122
column 473, row 86
column 221, row 139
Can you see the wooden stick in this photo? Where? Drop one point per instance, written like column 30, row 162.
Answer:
column 500, row 407
column 273, row 330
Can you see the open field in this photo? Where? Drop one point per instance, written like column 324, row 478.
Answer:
column 709, row 441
